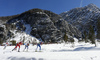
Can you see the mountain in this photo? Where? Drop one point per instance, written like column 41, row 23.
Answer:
column 42, row 24
column 84, row 17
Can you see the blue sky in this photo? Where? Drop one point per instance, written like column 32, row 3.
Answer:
column 13, row 7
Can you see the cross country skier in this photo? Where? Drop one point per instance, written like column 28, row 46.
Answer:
column 26, row 46
column 17, row 45
column 6, row 44
column 39, row 45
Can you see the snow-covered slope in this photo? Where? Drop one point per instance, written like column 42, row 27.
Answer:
column 81, row 51
column 22, row 36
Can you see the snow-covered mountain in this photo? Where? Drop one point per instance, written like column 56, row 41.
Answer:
column 42, row 24
column 50, row 27
column 83, row 17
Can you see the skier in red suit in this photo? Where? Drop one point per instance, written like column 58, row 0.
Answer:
column 17, row 45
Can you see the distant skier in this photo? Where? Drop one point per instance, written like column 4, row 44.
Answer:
column 17, row 45
column 39, row 45
column 6, row 44
column 26, row 46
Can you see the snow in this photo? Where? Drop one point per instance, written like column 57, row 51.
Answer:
column 81, row 51
column 23, row 35
column 76, row 40
column 28, row 28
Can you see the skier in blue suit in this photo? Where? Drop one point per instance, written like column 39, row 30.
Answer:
column 39, row 45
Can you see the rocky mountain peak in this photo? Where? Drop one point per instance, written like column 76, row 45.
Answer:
column 83, row 17
column 91, row 5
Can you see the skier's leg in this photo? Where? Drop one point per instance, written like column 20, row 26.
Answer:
column 24, row 48
column 4, row 47
column 19, row 48
column 40, row 46
column 27, row 48
column 37, row 47
column 14, row 48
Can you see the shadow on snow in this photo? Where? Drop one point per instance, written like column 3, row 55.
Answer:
column 86, row 48
column 23, row 58
column 77, row 49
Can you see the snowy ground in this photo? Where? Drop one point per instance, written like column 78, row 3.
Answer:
column 81, row 51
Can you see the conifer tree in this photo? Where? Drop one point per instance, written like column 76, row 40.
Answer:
column 91, row 35
column 1, row 41
column 85, row 36
column 72, row 42
column 98, row 29
column 65, row 38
